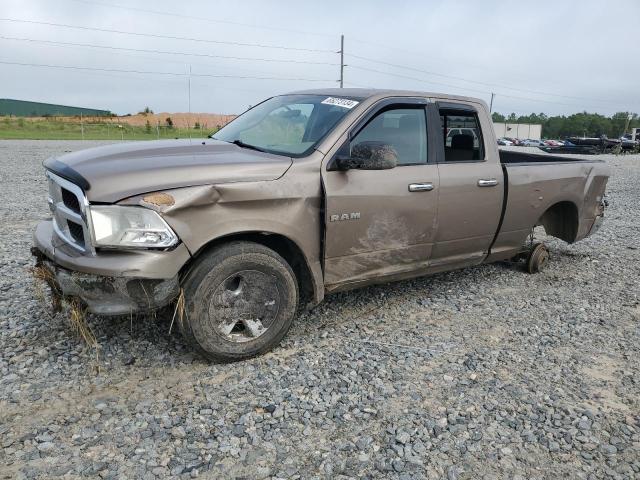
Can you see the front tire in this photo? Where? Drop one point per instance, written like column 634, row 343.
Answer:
column 240, row 301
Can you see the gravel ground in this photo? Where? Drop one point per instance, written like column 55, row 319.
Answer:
column 482, row 373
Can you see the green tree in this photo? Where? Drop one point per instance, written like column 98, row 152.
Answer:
column 577, row 124
column 619, row 122
column 498, row 117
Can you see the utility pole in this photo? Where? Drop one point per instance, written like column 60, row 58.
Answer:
column 626, row 125
column 491, row 104
column 189, row 118
column 341, row 61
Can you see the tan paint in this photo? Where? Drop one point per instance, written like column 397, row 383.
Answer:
column 208, row 191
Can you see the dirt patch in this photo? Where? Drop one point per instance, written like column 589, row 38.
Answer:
column 207, row 121
column 607, row 372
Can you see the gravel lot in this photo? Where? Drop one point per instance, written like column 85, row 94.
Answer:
column 484, row 373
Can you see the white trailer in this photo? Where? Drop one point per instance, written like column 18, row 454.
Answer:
column 521, row 131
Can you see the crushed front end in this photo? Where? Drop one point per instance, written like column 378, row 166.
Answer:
column 74, row 257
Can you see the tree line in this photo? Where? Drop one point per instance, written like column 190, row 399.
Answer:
column 578, row 124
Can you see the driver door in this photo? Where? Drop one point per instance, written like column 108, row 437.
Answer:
column 380, row 224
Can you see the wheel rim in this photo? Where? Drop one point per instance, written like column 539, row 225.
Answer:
column 244, row 305
column 543, row 258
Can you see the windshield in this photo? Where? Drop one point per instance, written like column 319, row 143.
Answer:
column 289, row 125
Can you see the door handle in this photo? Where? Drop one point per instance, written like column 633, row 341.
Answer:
column 487, row 183
column 421, row 187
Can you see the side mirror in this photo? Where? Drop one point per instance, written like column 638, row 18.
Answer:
column 369, row 156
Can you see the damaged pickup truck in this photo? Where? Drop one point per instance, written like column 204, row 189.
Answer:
column 303, row 195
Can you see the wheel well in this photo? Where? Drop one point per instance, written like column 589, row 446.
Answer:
column 561, row 221
column 285, row 247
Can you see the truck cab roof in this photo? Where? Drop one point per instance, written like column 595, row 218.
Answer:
column 374, row 93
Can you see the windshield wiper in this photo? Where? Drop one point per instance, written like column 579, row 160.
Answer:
column 240, row 143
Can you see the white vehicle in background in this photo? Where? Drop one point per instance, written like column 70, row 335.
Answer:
column 463, row 131
column 532, row 143
column 627, row 142
column 504, row 142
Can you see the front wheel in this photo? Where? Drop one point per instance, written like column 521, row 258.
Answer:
column 240, row 301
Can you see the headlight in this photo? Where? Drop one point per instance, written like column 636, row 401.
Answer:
column 129, row 226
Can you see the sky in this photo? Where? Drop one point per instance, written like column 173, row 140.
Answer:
column 556, row 57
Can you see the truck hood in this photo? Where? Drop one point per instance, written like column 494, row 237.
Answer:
column 113, row 172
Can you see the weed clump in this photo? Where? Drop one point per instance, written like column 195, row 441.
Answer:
column 179, row 310
column 76, row 311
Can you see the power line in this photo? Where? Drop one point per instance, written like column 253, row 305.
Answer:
column 413, row 53
column 399, row 75
column 421, row 54
column 169, row 37
column 166, row 52
column 201, row 18
column 181, row 61
column 176, row 74
column 463, row 88
column 475, row 81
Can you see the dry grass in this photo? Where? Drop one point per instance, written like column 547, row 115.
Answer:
column 179, row 310
column 43, row 276
column 76, row 311
column 77, row 318
column 39, row 286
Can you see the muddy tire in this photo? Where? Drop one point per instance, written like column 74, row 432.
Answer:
column 538, row 258
column 240, row 301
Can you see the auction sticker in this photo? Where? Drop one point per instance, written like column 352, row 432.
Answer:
column 340, row 102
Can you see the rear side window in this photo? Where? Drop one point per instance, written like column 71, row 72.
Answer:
column 402, row 129
column 462, row 136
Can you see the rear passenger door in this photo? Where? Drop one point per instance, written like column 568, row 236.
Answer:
column 471, row 188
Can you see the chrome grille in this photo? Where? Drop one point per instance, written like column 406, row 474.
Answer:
column 76, row 231
column 68, row 206
column 70, row 200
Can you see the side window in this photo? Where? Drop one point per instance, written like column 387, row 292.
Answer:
column 462, row 136
column 401, row 130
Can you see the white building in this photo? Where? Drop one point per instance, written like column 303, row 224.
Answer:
column 521, row 131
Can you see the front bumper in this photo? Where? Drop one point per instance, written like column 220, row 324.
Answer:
column 112, row 282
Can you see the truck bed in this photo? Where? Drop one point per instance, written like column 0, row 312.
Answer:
column 564, row 196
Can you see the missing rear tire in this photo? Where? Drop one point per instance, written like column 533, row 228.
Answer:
column 538, row 258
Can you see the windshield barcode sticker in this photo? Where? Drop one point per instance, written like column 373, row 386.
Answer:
column 340, row 102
